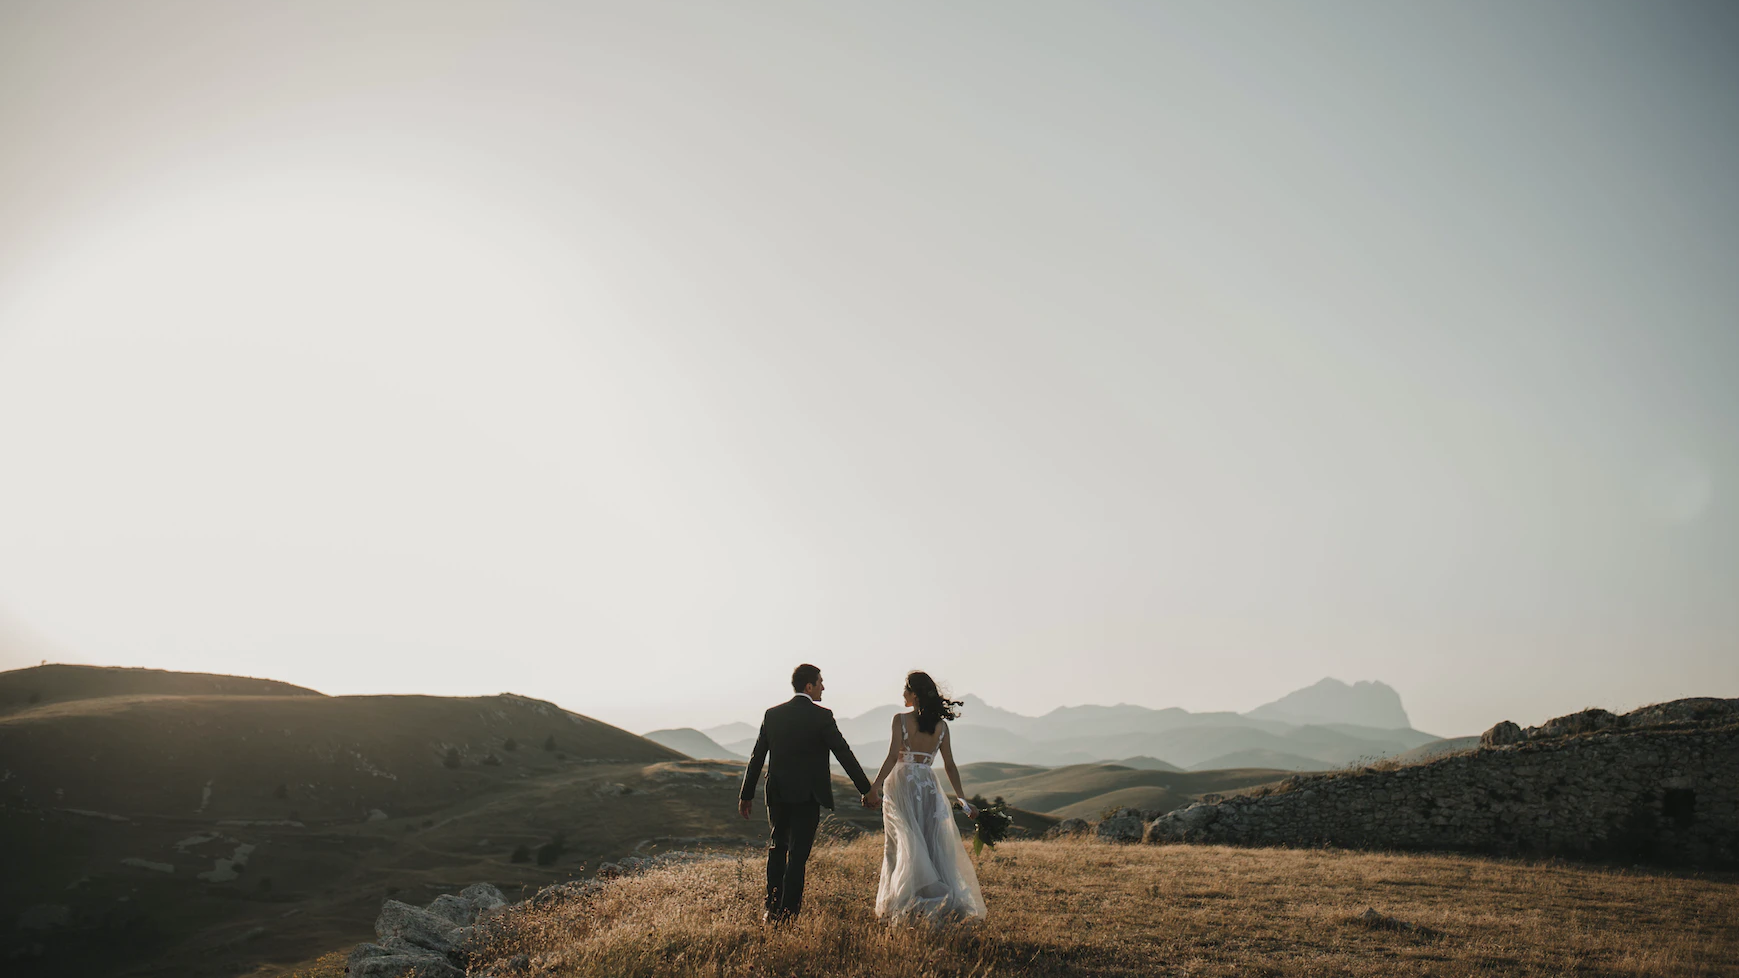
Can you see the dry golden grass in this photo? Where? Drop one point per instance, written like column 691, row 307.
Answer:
column 1086, row 908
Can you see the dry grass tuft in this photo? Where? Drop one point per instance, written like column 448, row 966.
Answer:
column 1072, row 908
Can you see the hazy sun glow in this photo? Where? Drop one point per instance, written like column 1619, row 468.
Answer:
column 293, row 401
column 626, row 355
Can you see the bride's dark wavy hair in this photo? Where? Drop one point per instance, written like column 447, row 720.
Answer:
column 933, row 707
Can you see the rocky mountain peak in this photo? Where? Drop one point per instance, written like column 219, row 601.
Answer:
column 1368, row 704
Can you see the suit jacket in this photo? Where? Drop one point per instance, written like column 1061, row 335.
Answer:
column 799, row 734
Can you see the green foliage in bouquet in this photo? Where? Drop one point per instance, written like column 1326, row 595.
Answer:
column 992, row 822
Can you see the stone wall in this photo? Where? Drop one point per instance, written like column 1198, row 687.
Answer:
column 1655, row 787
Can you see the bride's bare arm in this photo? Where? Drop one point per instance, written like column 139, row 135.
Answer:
column 893, row 754
column 948, row 765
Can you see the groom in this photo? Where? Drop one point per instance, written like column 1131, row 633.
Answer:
column 799, row 733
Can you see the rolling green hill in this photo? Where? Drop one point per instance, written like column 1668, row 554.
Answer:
column 22, row 689
column 1083, row 790
column 264, row 757
column 1273, row 759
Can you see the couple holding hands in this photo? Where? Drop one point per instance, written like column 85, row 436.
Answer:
column 926, row 874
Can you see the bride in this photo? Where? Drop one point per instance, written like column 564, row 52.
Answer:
column 926, row 873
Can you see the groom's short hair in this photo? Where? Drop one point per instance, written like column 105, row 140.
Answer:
column 803, row 675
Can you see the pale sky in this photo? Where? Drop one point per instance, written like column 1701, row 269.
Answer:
column 626, row 355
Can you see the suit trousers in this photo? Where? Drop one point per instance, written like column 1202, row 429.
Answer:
column 794, row 825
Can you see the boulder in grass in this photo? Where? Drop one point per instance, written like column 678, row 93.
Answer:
column 483, row 896
column 1184, row 825
column 398, row 960
column 1587, row 721
column 1502, row 735
column 460, row 911
column 1377, row 921
column 416, row 927
column 1125, row 826
column 1069, row 827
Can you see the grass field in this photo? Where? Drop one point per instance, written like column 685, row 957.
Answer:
column 1088, row 908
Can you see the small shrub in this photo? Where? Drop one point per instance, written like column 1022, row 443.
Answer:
column 282, row 792
column 452, row 758
column 549, row 743
column 521, row 854
column 428, row 823
column 550, row 851
column 265, row 884
column 510, row 744
column 492, row 760
column 35, row 697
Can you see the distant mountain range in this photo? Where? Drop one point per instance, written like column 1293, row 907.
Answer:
column 696, row 744
column 1329, row 724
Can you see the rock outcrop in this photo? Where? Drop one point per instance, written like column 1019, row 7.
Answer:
column 1502, row 734
column 1124, row 826
column 1182, row 825
column 1069, row 828
column 424, row 942
column 436, row 941
column 1660, row 784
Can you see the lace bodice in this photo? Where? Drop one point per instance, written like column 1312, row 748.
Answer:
column 911, row 756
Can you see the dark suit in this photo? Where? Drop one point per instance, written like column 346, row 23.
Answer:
column 799, row 734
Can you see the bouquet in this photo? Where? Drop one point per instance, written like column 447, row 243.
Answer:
column 990, row 825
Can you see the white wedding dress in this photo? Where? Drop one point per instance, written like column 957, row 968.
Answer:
column 926, row 872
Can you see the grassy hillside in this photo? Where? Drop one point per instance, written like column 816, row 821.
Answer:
column 211, row 835
column 266, row 757
column 1083, row 908
column 22, row 689
column 984, row 772
column 198, row 834
column 1085, row 790
column 1272, row 759
column 1144, row 763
